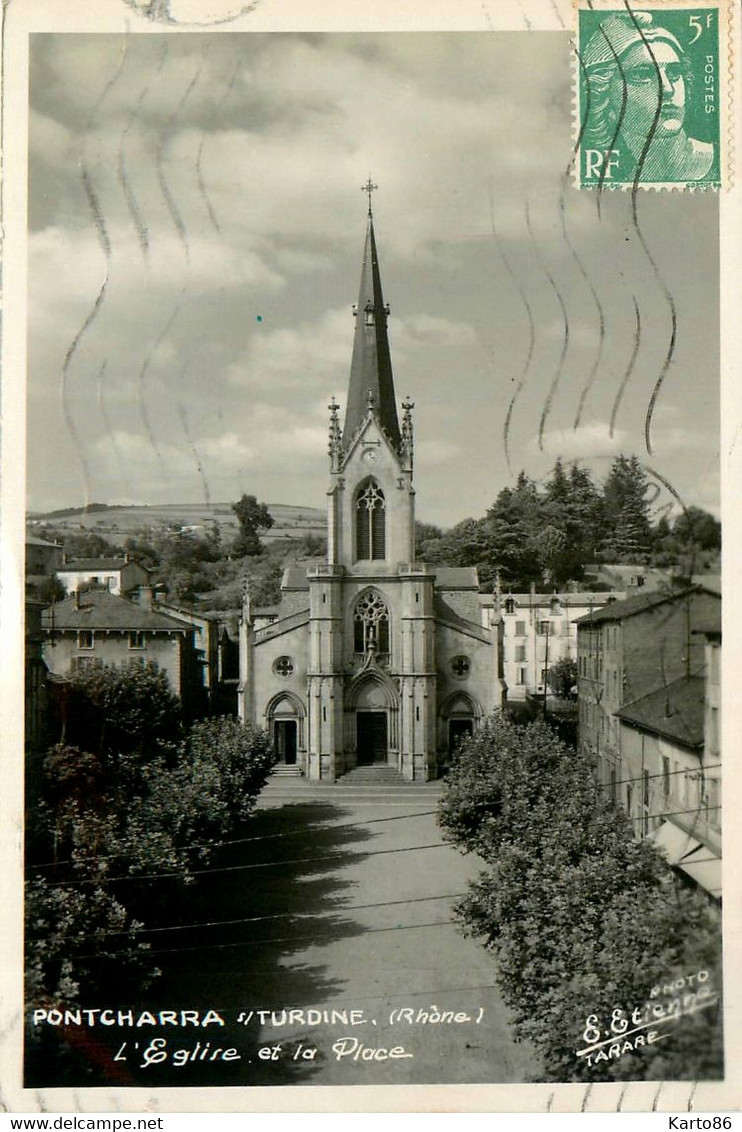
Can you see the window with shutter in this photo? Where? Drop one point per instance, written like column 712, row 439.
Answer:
column 370, row 511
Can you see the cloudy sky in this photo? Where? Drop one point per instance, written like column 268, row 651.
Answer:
column 196, row 230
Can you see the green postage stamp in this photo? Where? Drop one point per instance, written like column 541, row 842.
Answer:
column 653, row 88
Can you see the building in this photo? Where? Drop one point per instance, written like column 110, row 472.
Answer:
column 649, row 699
column 215, row 651
column 626, row 650
column 97, row 625
column 36, row 698
column 118, row 575
column 672, row 783
column 629, row 577
column 538, row 629
column 43, row 558
column 372, row 659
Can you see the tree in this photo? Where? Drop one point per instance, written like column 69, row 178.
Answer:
column 183, row 560
column 562, row 678
column 695, row 527
column 89, row 544
column 426, row 534
column 550, row 548
column 242, row 756
column 583, row 918
column 627, row 527
column 513, row 526
column 141, row 548
column 98, row 825
column 252, row 517
column 121, row 709
column 573, row 506
column 50, row 590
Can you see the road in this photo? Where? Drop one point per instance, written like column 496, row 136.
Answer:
column 338, row 899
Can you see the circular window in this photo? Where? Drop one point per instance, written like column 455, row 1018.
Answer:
column 460, row 666
column 283, row 666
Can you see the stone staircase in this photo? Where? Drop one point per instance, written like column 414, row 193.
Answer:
column 282, row 770
column 381, row 775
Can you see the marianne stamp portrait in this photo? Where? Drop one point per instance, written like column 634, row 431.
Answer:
column 367, row 537
column 652, row 98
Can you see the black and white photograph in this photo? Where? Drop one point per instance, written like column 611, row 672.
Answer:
column 365, row 547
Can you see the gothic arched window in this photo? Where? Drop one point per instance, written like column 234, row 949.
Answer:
column 370, row 522
column 371, row 624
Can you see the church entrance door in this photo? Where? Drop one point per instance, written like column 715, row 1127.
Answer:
column 371, row 733
column 284, row 740
column 458, row 730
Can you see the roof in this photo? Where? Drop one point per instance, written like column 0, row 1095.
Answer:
column 446, row 614
column 31, row 540
column 565, row 598
column 708, row 581
column 709, row 626
column 371, row 363
column 98, row 564
column 675, row 712
column 456, row 577
column 100, row 609
column 295, row 576
column 620, row 610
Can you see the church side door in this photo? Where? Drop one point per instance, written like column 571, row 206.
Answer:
column 284, row 740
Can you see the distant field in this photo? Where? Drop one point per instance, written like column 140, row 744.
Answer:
column 289, row 522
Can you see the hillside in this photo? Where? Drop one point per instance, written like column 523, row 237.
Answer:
column 117, row 522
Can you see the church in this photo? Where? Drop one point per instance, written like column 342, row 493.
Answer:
column 372, row 660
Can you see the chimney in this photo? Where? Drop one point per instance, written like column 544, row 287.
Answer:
column 76, row 595
column 146, row 597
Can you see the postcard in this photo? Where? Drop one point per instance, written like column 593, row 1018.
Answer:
column 369, row 421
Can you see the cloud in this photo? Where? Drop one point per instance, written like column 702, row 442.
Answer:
column 589, row 442
column 434, row 453
column 438, row 331
column 300, row 357
column 233, row 324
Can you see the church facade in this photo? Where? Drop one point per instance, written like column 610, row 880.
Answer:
column 372, row 659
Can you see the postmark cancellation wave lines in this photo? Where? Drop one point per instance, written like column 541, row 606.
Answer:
column 160, row 159
column 595, row 367
column 104, row 241
column 531, row 338
column 203, row 189
column 183, row 416
column 551, row 392
column 132, row 203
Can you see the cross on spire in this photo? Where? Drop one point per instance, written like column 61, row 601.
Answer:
column 369, row 187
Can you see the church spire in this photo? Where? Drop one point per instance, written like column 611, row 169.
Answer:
column 371, row 364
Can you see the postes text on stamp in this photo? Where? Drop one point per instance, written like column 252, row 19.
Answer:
column 652, row 86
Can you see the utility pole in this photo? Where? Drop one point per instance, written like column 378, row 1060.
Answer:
column 546, row 663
